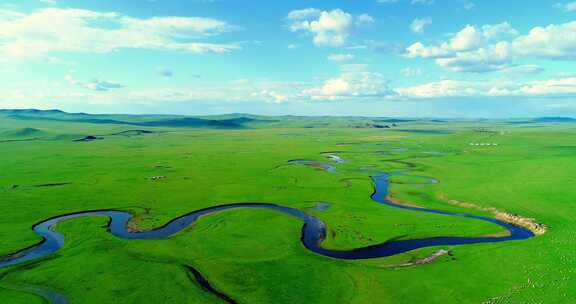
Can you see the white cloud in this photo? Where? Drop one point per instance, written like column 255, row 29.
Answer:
column 341, row 57
column 364, row 20
column 562, row 86
column 336, row 87
column 425, row 2
column 303, row 14
column 107, row 92
column 466, row 39
column 526, row 69
column 443, row 88
column 557, row 87
column 492, row 58
column 94, row 85
column 419, row 25
column 568, row 6
column 418, row 49
column 498, row 47
column 468, row 5
column 331, row 28
column 328, row 28
column 411, row 72
column 354, row 82
column 499, row 31
column 49, row 2
column 551, row 42
column 53, row 30
column 270, row 96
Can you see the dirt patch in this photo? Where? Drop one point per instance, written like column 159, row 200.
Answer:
column 427, row 260
column 401, row 203
column 134, row 225
column 518, row 220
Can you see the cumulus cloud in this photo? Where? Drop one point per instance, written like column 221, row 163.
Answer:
column 419, row 25
column 492, row 58
column 550, row 42
column 498, row 47
column 270, row 96
column 354, row 82
column 466, row 39
column 327, row 28
column 36, row 34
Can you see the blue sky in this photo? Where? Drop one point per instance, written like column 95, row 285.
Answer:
column 445, row 58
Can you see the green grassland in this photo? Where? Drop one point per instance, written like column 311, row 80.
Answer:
column 255, row 256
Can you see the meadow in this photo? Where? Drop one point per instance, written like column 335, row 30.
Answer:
column 58, row 163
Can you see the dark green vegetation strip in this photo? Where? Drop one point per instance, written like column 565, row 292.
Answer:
column 198, row 277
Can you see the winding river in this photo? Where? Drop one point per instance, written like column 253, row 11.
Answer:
column 312, row 235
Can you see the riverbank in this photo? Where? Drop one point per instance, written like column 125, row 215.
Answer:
column 515, row 219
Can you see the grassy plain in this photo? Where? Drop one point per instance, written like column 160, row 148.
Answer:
column 255, row 256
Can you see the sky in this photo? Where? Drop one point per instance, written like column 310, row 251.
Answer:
column 409, row 58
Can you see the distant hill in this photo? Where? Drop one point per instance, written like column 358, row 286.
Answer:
column 23, row 133
column 32, row 112
column 554, row 119
column 245, row 121
column 236, row 121
column 191, row 122
column 394, row 120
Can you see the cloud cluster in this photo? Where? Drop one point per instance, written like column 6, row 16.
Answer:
column 568, row 6
column 499, row 47
column 354, row 82
column 95, row 84
column 341, row 57
column 418, row 25
column 52, row 30
column 327, row 28
column 556, row 87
